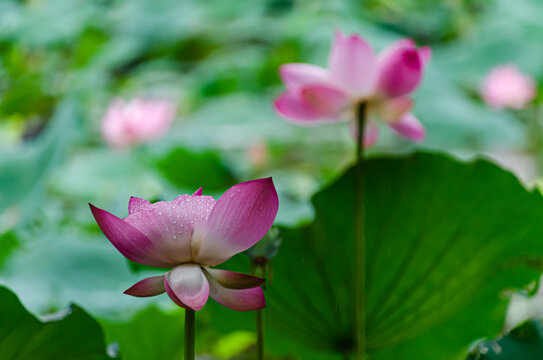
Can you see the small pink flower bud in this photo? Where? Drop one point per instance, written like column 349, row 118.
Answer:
column 506, row 87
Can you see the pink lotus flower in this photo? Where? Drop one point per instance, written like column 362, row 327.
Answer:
column 190, row 235
column 137, row 121
column 355, row 74
column 258, row 153
column 506, row 87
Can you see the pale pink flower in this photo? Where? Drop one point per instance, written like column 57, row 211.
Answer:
column 190, row 235
column 506, row 87
column 137, row 121
column 258, row 153
column 315, row 95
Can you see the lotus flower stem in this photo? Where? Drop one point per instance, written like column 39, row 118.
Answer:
column 260, row 334
column 360, row 241
column 259, row 269
column 190, row 316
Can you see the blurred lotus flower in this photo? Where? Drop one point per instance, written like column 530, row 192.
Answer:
column 355, row 75
column 190, row 235
column 506, row 87
column 136, row 121
column 258, row 153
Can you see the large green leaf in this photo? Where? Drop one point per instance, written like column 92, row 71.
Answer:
column 51, row 269
column 23, row 169
column 23, row 337
column 444, row 238
column 151, row 334
column 226, row 321
column 523, row 342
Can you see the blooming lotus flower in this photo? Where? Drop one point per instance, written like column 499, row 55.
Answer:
column 355, row 74
column 136, row 121
column 506, row 87
column 190, row 235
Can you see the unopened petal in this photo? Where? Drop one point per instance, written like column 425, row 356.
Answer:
column 198, row 192
column 391, row 49
column 187, row 286
column 400, row 70
column 295, row 75
column 234, row 280
column 151, row 286
column 409, row 127
column 239, row 300
column 240, row 218
column 130, row 242
column 352, row 63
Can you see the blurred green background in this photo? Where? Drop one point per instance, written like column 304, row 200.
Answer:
column 62, row 61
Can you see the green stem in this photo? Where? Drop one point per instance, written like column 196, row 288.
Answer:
column 259, row 269
column 360, row 241
column 190, row 316
column 260, row 334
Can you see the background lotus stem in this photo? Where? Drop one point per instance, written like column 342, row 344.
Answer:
column 360, row 241
column 190, row 317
